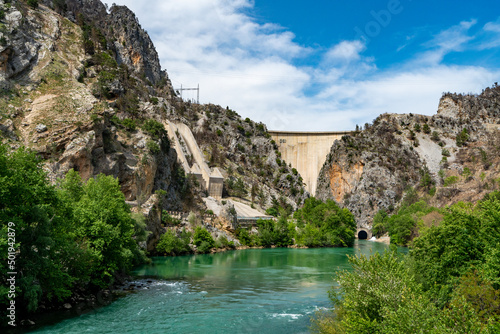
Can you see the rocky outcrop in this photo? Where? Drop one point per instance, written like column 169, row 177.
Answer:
column 51, row 110
column 369, row 170
column 131, row 44
column 372, row 169
column 23, row 37
column 248, row 158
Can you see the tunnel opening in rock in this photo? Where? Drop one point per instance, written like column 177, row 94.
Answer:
column 362, row 235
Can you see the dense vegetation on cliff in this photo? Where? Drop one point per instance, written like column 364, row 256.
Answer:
column 74, row 236
column 449, row 282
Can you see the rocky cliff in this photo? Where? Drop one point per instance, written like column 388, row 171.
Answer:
column 448, row 157
column 247, row 156
column 82, row 86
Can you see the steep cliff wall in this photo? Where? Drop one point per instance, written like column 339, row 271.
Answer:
column 448, row 157
column 82, row 102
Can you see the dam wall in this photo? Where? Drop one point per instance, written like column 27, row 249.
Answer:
column 306, row 152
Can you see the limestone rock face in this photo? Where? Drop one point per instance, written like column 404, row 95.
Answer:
column 25, row 37
column 134, row 47
column 132, row 44
column 372, row 169
column 51, row 106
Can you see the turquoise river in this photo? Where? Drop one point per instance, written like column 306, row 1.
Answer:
column 245, row 291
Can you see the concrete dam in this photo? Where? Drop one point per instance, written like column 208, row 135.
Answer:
column 306, row 152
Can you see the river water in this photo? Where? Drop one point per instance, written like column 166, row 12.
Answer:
column 246, row 291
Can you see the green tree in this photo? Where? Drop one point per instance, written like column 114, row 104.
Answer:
column 336, row 225
column 380, row 223
column 171, row 244
column 75, row 234
column 203, row 240
column 445, row 252
column 462, row 137
column 154, row 128
column 372, row 292
column 33, row 3
column 244, row 237
column 105, row 223
column 44, row 232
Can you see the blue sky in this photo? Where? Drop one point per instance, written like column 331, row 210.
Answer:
column 327, row 64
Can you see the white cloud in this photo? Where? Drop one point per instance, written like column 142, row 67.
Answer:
column 250, row 67
column 490, row 26
column 346, row 51
column 453, row 39
column 492, row 30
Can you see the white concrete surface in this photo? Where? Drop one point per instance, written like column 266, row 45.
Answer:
column 306, row 151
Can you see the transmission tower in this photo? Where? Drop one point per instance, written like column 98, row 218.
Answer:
column 196, row 89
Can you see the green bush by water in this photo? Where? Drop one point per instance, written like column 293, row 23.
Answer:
column 448, row 283
column 324, row 224
column 171, row 244
column 78, row 234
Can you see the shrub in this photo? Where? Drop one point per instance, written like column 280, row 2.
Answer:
column 384, row 290
column 129, row 124
column 154, row 128
column 205, row 247
column 462, row 137
column 168, row 219
column 201, row 235
column 402, row 226
column 426, row 128
column 33, row 3
column 450, row 180
column 278, row 233
column 435, row 136
column 171, row 244
column 426, row 180
column 272, row 212
column 224, row 243
column 153, row 146
column 60, row 5
column 445, row 152
column 380, row 223
column 244, row 237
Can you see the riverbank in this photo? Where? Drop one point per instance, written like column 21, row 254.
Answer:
column 81, row 302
